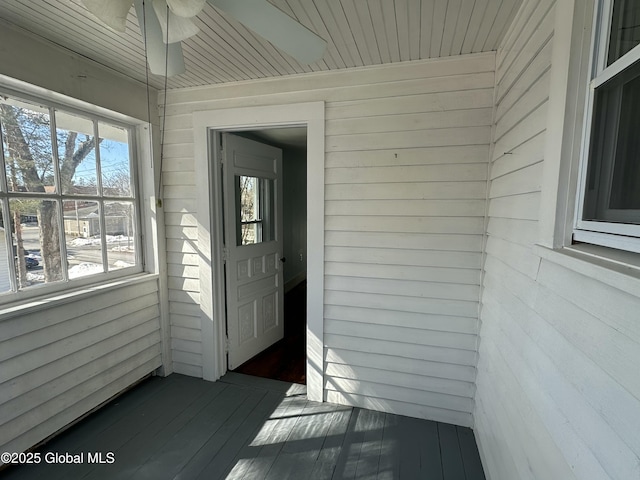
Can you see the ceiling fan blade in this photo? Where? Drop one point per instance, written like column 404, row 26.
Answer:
column 179, row 28
column 113, row 13
column 274, row 25
column 162, row 58
column 186, row 8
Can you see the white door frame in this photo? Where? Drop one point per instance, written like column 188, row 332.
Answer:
column 210, row 240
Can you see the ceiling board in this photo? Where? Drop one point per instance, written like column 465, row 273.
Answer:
column 358, row 32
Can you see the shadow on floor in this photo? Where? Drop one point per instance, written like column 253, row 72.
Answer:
column 244, row 427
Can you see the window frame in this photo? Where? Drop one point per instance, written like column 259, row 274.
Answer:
column 96, row 115
column 624, row 236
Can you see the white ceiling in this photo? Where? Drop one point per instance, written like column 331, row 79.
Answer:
column 358, row 32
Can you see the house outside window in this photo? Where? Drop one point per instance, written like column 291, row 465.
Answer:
column 69, row 213
column 608, row 207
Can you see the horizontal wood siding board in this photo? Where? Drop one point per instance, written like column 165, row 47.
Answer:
column 523, row 206
column 436, row 306
column 187, row 369
column 396, row 272
column 513, row 230
column 186, row 358
column 391, row 364
column 394, row 256
column 407, row 288
column 419, row 103
column 186, row 345
column 414, row 241
column 387, row 223
column 412, row 121
column 395, row 333
column 369, row 316
column 432, row 189
column 417, row 138
column 409, row 174
column 422, row 352
column 186, row 333
column 402, row 157
column 528, row 153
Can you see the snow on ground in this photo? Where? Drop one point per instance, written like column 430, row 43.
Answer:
column 35, row 277
column 84, row 269
column 122, row 248
column 82, row 242
column 122, row 264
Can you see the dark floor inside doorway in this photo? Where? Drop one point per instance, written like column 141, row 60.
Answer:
column 285, row 360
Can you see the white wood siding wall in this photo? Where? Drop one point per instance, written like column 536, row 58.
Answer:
column 59, row 362
column 407, row 148
column 63, row 356
column 558, row 387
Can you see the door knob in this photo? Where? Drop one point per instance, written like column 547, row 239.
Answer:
column 283, row 259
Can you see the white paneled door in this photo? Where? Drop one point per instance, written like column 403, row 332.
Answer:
column 252, row 176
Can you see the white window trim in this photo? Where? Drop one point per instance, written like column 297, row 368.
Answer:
column 608, row 234
column 137, row 151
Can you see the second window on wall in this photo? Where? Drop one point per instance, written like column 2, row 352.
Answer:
column 609, row 203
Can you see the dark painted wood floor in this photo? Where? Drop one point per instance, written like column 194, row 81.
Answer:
column 285, row 360
column 244, row 427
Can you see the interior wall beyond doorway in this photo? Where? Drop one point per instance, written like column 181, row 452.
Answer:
column 295, row 216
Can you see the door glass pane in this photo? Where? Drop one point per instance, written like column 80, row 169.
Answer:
column 255, row 212
column 114, row 161
column 26, row 145
column 119, row 221
column 76, row 154
column 83, row 240
column 36, row 237
column 625, row 28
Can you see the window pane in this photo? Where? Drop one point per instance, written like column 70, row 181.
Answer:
column 625, row 28
column 613, row 181
column 36, row 242
column 120, row 222
column 255, row 214
column 5, row 271
column 26, row 145
column 76, row 154
column 83, row 239
column 250, row 233
column 114, row 161
column 625, row 187
column 248, row 198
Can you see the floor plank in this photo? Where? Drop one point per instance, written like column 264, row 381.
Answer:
column 248, row 428
column 452, row 467
column 470, row 455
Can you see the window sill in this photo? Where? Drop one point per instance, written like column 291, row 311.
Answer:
column 22, row 307
column 616, row 268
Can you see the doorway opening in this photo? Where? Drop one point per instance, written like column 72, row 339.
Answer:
column 285, row 359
